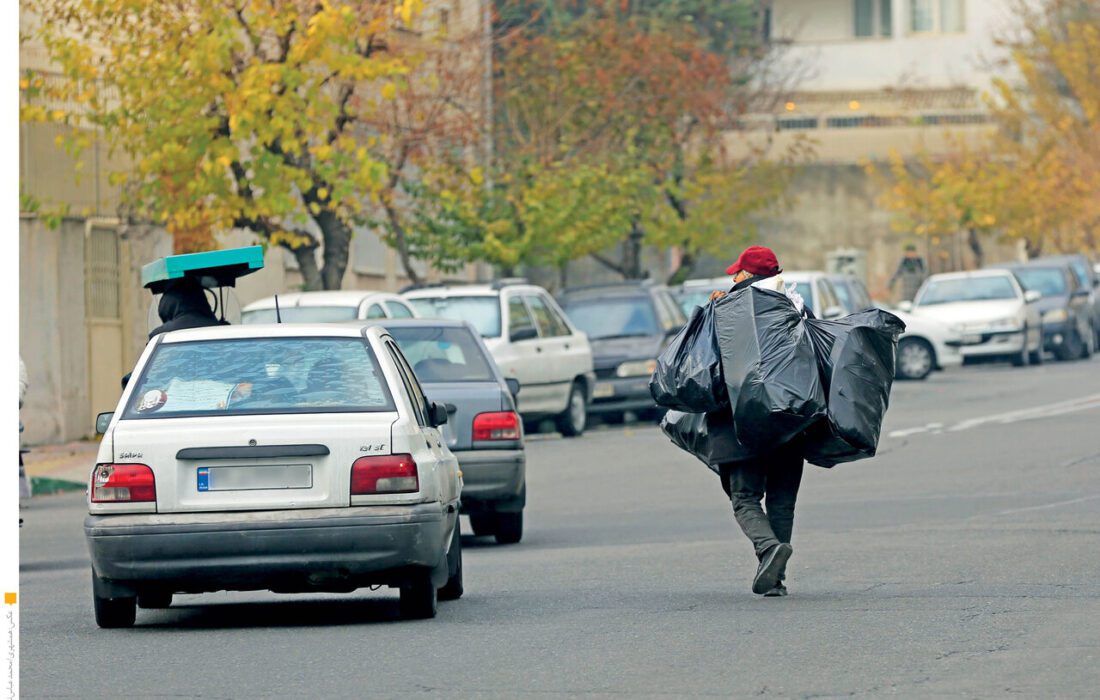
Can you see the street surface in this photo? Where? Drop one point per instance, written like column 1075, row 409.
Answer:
column 964, row 561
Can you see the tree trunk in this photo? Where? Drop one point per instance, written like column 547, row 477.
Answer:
column 1033, row 248
column 975, row 243
column 683, row 271
column 337, row 238
column 632, row 252
column 401, row 242
column 307, row 265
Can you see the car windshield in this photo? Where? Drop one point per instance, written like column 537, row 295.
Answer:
column 967, row 289
column 1048, row 281
column 482, row 312
column 688, row 299
column 443, row 354
column 1081, row 270
column 614, row 318
column 301, row 314
column 844, row 294
column 260, row 375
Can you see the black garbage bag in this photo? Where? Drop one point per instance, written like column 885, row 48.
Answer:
column 709, row 436
column 856, row 359
column 689, row 370
column 769, row 366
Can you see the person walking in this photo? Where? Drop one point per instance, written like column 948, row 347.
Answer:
column 911, row 273
column 771, row 478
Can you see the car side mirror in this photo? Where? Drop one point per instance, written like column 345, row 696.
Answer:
column 1031, row 296
column 102, row 422
column 521, row 334
column 513, row 386
column 832, row 312
column 437, row 414
column 906, row 306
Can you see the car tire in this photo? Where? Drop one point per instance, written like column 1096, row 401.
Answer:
column 1088, row 345
column 419, row 598
column 114, row 613
column 509, row 527
column 915, row 359
column 1021, row 358
column 152, row 600
column 572, row 421
column 452, row 590
column 482, row 524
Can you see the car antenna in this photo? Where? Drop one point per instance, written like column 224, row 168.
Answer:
column 278, row 316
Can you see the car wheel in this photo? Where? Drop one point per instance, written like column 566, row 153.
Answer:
column 112, row 613
column 154, row 599
column 915, row 359
column 1020, row 359
column 482, row 524
column 419, row 598
column 452, row 590
column 509, row 527
column 571, row 422
column 1089, row 345
column 1071, row 348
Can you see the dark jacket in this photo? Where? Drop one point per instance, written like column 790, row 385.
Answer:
column 184, row 305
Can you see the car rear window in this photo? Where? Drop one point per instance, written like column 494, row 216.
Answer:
column 481, row 311
column 260, row 376
column 622, row 317
column 1048, row 281
column 443, row 354
column 302, row 314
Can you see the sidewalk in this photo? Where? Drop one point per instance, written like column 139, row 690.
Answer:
column 54, row 468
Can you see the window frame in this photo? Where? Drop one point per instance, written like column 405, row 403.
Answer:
column 507, row 299
column 527, row 297
column 412, row 386
column 881, row 23
column 936, row 18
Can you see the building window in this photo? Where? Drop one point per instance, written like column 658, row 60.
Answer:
column 943, row 16
column 872, row 18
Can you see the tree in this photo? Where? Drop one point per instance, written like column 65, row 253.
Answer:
column 1036, row 178
column 234, row 113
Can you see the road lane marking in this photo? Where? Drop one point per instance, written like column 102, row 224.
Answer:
column 1060, row 408
column 1057, row 504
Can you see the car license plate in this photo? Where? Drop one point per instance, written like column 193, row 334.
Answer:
column 602, row 390
column 280, row 476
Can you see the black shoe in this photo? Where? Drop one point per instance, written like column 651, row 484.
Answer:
column 772, row 564
column 778, row 591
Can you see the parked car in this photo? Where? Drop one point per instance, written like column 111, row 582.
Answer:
column 320, row 307
column 1066, row 316
column 989, row 307
column 817, row 292
column 926, row 345
column 628, row 325
column 285, row 457
column 1088, row 278
column 483, row 429
column 851, row 293
column 697, row 292
column 531, row 340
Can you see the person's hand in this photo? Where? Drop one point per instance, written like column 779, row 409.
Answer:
column 717, row 294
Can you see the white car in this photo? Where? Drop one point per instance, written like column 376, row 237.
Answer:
column 926, row 345
column 817, row 292
column 989, row 308
column 284, row 457
column 321, row 307
column 531, row 340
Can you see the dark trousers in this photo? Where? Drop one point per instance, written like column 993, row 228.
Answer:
column 773, row 479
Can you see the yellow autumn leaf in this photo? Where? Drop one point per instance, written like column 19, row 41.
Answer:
column 389, row 91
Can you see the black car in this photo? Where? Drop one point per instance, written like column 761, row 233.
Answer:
column 483, row 429
column 1088, row 280
column 1066, row 313
column 627, row 326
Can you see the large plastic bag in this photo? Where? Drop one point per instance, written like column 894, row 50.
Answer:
column 856, row 359
column 689, row 370
column 769, row 366
column 709, row 436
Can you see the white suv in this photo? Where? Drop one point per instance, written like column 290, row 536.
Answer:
column 285, row 457
column 531, row 340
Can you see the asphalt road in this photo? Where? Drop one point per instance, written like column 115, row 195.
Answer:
column 963, row 561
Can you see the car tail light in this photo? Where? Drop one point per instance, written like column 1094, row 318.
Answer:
column 496, row 426
column 123, row 483
column 388, row 474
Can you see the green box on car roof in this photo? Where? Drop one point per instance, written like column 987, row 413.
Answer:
column 215, row 268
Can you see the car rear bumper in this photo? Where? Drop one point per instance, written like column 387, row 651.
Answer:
column 614, row 395
column 493, row 479
column 299, row 550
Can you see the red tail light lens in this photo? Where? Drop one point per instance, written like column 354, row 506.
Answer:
column 496, row 426
column 123, row 483
column 389, row 474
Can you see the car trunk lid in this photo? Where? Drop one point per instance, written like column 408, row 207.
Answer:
column 465, row 400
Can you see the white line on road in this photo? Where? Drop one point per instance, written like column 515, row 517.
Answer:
column 1057, row 504
column 1083, row 403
